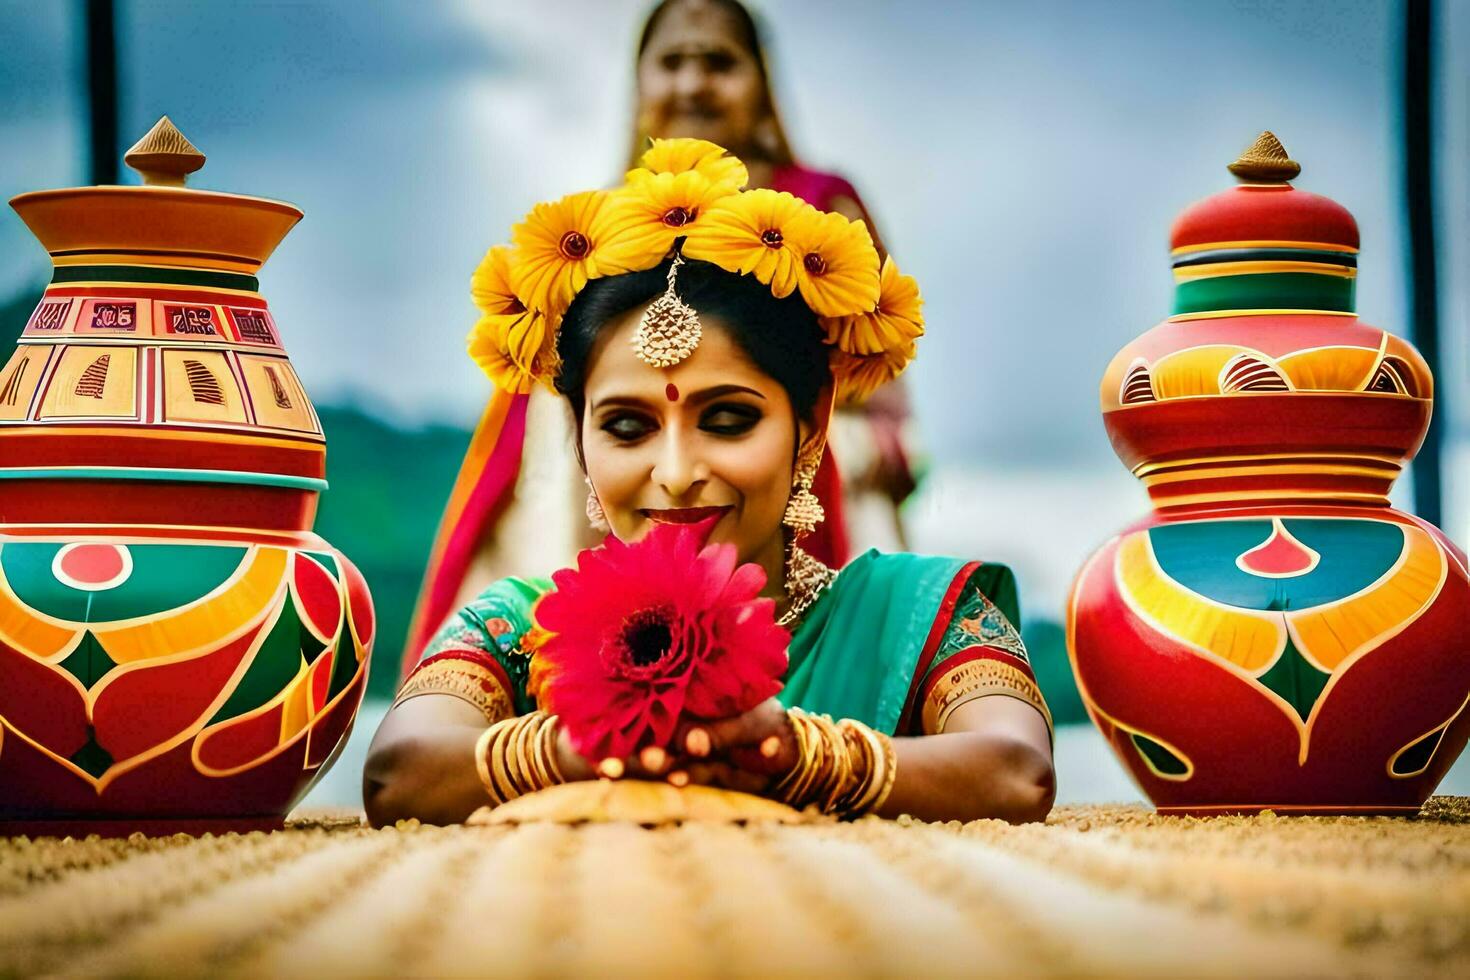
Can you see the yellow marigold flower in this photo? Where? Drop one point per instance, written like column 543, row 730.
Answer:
column 490, row 285
column 645, row 217
column 677, row 156
column 541, row 671
column 838, row 271
column 513, row 349
column 558, row 247
column 754, row 233
column 857, row 376
column 896, row 320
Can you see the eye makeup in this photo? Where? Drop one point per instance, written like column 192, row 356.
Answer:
column 730, row 418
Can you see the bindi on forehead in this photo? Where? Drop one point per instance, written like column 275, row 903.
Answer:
column 671, row 392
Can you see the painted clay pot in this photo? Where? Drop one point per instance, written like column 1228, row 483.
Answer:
column 178, row 650
column 1274, row 635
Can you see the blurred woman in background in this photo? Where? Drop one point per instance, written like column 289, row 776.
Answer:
column 517, row 505
column 702, row 73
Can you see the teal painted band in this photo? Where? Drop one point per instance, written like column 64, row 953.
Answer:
column 136, row 273
column 1265, row 291
column 149, row 473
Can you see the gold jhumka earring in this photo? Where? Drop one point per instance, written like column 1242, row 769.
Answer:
column 804, row 511
column 669, row 330
column 806, row 576
column 596, row 517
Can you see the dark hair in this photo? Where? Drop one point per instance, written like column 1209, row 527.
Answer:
column 748, row 32
column 781, row 336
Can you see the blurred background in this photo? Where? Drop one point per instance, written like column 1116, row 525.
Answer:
column 1024, row 161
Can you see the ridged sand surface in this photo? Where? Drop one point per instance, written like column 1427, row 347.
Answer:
column 1096, row 891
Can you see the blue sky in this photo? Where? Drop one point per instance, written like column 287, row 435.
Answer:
column 1024, row 161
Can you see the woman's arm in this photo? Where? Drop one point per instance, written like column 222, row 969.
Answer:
column 421, row 764
column 993, row 759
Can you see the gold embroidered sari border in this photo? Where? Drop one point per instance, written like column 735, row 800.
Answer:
column 462, row 679
column 974, row 679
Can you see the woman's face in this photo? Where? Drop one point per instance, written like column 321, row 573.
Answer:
column 712, row 436
column 696, row 79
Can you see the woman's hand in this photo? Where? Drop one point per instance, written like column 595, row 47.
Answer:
column 748, row 752
column 650, row 763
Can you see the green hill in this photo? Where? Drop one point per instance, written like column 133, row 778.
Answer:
column 387, row 490
column 1046, row 642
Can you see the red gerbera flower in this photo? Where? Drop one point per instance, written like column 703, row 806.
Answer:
column 642, row 633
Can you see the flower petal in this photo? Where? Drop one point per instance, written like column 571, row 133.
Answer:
column 725, row 655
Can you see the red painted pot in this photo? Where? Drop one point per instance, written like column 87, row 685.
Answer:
column 1274, row 635
column 178, row 651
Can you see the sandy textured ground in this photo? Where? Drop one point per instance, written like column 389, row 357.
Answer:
column 1111, row 891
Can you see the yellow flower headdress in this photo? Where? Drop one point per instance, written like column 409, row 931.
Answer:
column 686, row 201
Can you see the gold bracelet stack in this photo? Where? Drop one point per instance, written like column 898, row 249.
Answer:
column 842, row 767
column 518, row 756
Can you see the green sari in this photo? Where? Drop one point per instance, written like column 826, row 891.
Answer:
column 897, row 641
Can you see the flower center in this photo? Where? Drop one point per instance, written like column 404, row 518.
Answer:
column 771, row 238
column 676, row 217
column 574, row 245
column 646, row 637
column 814, row 263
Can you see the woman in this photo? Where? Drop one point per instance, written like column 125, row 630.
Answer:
column 699, row 335
column 515, row 507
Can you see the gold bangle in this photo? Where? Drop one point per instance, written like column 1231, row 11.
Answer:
column 870, row 744
column 499, row 762
column 809, row 773
column 521, row 750
column 518, row 756
column 860, row 758
column 845, row 768
column 783, row 790
column 550, row 730
column 482, row 761
column 890, row 772
column 843, row 772
column 532, row 768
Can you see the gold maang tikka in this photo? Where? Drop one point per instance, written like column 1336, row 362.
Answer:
column 669, row 330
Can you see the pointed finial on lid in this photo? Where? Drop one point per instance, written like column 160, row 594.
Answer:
column 163, row 157
column 1265, row 162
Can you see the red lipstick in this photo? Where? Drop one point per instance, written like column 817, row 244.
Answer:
column 684, row 515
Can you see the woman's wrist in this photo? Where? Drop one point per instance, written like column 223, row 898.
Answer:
column 518, row 756
column 844, row 768
column 569, row 761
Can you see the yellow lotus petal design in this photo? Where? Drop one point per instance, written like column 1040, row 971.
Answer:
column 1249, row 639
column 1329, row 634
column 254, row 587
column 1330, row 368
